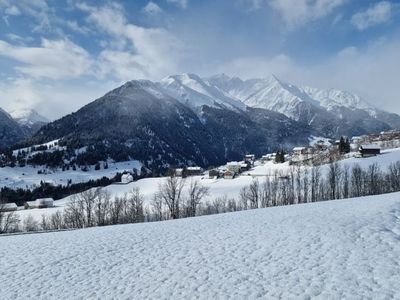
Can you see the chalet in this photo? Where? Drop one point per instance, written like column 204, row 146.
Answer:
column 193, row 171
column 6, row 207
column 234, row 166
column 126, row 178
column 229, row 174
column 40, row 203
column 369, row 150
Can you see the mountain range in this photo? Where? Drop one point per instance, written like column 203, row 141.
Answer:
column 186, row 120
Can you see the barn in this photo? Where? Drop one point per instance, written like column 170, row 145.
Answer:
column 369, row 150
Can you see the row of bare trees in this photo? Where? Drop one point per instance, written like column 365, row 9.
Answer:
column 176, row 197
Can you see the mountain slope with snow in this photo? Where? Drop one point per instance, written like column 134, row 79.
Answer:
column 192, row 90
column 10, row 131
column 345, row 249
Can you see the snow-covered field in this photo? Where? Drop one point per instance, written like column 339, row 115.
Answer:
column 345, row 249
column 28, row 177
column 218, row 187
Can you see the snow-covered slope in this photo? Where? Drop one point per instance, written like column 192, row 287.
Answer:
column 194, row 91
column 10, row 131
column 346, row 249
column 333, row 98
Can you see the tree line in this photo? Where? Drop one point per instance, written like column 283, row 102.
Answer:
column 177, row 197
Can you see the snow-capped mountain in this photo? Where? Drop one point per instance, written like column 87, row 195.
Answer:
column 333, row 111
column 28, row 117
column 190, row 89
column 141, row 120
column 185, row 119
column 29, row 120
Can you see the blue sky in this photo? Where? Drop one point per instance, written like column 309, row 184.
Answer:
column 57, row 55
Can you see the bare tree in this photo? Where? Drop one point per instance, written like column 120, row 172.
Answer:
column 196, row 193
column 135, row 209
column 357, row 181
column 394, row 177
column 101, row 208
column 346, row 182
column 9, row 220
column 157, row 208
column 170, row 191
column 315, row 183
column 334, row 176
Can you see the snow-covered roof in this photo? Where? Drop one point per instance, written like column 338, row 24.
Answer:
column 370, row 147
column 299, row 148
column 234, row 163
column 194, row 168
column 8, row 206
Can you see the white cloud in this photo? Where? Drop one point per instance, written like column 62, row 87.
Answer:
column 53, row 99
column 152, row 8
column 12, row 11
column 53, row 59
column 377, row 14
column 150, row 52
column 181, row 3
column 296, row 13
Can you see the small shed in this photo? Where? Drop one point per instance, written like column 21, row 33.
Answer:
column 126, row 178
column 5, row 207
column 369, row 150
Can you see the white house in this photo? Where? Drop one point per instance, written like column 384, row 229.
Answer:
column 126, row 178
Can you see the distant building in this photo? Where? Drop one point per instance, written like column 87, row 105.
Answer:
column 8, row 207
column 126, row 178
column 229, row 174
column 369, row 150
column 193, row 171
column 234, row 166
column 214, row 173
column 179, row 172
column 299, row 151
column 268, row 157
column 250, row 158
column 40, row 203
